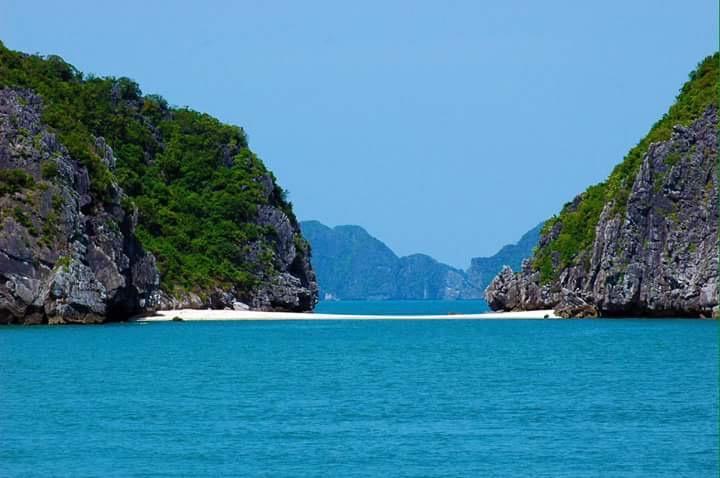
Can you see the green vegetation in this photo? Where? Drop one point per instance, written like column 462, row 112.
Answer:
column 14, row 180
column 192, row 178
column 49, row 169
column 578, row 223
column 21, row 217
column 575, row 234
column 63, row 262
column 659, row 181
column 672, row 158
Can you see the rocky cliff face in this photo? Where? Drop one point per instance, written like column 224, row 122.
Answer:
column 64, row 256
column 113, row 203
column 67, row 256
column 288, row 285
column 657, row 257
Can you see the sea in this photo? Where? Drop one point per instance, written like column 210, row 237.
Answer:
column 353, row 398
column 402, row 307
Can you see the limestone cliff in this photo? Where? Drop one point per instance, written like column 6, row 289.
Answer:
column 657, row 257
column 114, row 203
column 64, row 258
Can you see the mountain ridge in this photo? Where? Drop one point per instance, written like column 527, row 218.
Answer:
column 483, row 269
column 351, row 264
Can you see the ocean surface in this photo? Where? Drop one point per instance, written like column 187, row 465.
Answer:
column 402, row 307
column 595, row 398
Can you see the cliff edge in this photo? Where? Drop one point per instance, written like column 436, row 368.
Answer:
column 656, row 256
column 113, row 203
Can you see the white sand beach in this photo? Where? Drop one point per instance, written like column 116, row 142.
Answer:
column 195, row 315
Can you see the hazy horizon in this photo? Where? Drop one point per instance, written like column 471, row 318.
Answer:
column 443, row 129
column 462, row 267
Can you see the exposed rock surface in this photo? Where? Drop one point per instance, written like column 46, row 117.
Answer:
column 659, row 257
column 574, row 306
column 64, row 257
column 295, row 287
column 291, row 286
column 67, row 257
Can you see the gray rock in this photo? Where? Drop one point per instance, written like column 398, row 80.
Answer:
column 240, row 306
column 572, row 305
column 283, row 233
column 290, row 284
column 185, row 300
column 659, row 258
column 284, row 292
column 63, row 257
column 105, row 152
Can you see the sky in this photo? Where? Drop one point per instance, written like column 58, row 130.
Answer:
column 448, row 128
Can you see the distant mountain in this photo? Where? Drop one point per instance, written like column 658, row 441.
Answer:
column 353, row 265
column 483, row 269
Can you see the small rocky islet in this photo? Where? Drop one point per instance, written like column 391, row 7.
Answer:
column 113, row 204
column 643, row 243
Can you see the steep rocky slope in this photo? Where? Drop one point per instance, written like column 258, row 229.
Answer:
column 652, row 247
column 353, row 265
column 63, row 257
column 114, row 203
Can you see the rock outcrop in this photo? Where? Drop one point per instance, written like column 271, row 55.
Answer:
column 114, row 203
column 482, row 270
column 658, row 257
column 65, row 256
column 288, row 285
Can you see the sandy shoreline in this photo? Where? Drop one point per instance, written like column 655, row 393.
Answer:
column 196, row 315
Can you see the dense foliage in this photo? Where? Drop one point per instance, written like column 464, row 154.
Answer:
column 578, row 220
column 13, row 180
column 193, row 179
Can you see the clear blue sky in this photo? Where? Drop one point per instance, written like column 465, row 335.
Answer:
column 444, row 127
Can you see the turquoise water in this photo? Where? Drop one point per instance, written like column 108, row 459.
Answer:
column 402, row 307
column 605, row 398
